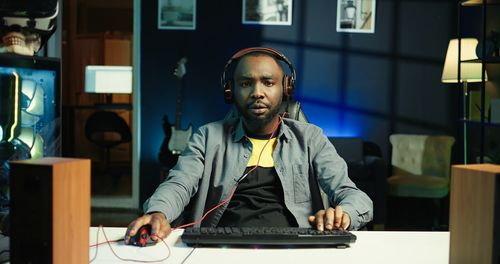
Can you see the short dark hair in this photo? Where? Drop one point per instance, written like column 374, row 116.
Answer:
column 258, row 53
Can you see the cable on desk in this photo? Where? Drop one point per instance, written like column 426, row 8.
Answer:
column 188, row 255
column 124, row 259
column 225, row 201
column 96, row 245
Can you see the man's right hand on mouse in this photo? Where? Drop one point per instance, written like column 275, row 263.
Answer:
column 160, row 227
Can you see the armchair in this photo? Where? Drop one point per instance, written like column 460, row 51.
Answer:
column 421, row 167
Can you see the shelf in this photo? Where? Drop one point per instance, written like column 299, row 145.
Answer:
column 488, row 60
column 478, row 141
column 479, row 2
column 99, row 106
column 478, row 123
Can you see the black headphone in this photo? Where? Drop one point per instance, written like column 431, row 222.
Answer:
column 288, row 81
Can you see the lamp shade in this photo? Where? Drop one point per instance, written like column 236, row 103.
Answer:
column 350, row 9
column 469, row 71
column 108, row 79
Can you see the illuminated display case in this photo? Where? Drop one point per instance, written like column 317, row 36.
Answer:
column 30, row 115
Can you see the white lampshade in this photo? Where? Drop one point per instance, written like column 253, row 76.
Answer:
column 350, row 10
column 469, row 71
column 108, row 79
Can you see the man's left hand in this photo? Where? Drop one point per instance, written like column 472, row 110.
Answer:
column 331, row 218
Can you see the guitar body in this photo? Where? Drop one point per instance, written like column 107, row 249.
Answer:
column 179, row 139
column 166, row 157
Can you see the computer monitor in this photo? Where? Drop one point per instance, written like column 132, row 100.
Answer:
column 30, row 114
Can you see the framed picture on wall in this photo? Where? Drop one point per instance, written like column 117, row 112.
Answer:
column 356, row 16
column 267, row 12
column 177, row 14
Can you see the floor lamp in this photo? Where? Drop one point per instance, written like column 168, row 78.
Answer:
column 469, row 72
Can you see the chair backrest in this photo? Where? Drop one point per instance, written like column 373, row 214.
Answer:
column 349, row 148
column 102, row 122
column 421, row 154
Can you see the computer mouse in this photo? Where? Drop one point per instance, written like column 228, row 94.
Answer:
column 140, row 238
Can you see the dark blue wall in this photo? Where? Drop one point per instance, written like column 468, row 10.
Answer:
column 350, row 84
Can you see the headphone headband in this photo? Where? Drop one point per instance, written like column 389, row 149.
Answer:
column 289, row 81
column 246, row 51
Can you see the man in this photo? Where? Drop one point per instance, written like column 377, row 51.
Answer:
column 263, row 158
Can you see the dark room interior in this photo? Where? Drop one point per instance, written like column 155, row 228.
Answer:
column 377, row 91
column 358, row 85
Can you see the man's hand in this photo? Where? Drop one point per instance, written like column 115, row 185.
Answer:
column 332, row 218
column 160, row 227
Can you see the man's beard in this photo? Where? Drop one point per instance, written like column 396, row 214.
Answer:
column 254, row 121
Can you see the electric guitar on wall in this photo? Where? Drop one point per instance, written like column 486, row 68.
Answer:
column 175, row 138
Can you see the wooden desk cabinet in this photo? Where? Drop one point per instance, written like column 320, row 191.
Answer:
column 50, row 210
column 475, row 214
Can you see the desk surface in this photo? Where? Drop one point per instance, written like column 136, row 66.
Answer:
column 370, row 247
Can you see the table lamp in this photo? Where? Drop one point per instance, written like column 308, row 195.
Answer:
column 469, row 71
column 108, row 80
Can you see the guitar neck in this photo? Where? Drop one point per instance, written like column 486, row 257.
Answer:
column 178, row 104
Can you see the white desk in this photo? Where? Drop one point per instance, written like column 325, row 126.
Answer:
column 370, row 247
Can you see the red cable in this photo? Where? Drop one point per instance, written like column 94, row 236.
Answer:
column 239, row 180
column 188, row 224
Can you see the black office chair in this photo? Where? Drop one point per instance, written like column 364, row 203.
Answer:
column 369, row 173
column 293, row 111
column 107, row 129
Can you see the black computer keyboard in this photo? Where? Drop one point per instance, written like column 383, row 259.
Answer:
column 266, row 236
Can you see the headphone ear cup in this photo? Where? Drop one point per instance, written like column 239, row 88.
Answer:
column 288, row 84
column 228, row 93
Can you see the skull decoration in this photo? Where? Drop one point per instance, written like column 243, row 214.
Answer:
column 25, row 26
column 24, row 43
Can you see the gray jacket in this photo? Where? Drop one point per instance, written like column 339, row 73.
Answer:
column 217, row 154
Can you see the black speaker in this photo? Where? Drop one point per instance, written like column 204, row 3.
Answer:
column 31, row 217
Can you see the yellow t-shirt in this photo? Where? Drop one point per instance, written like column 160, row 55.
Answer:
column 266, row 159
